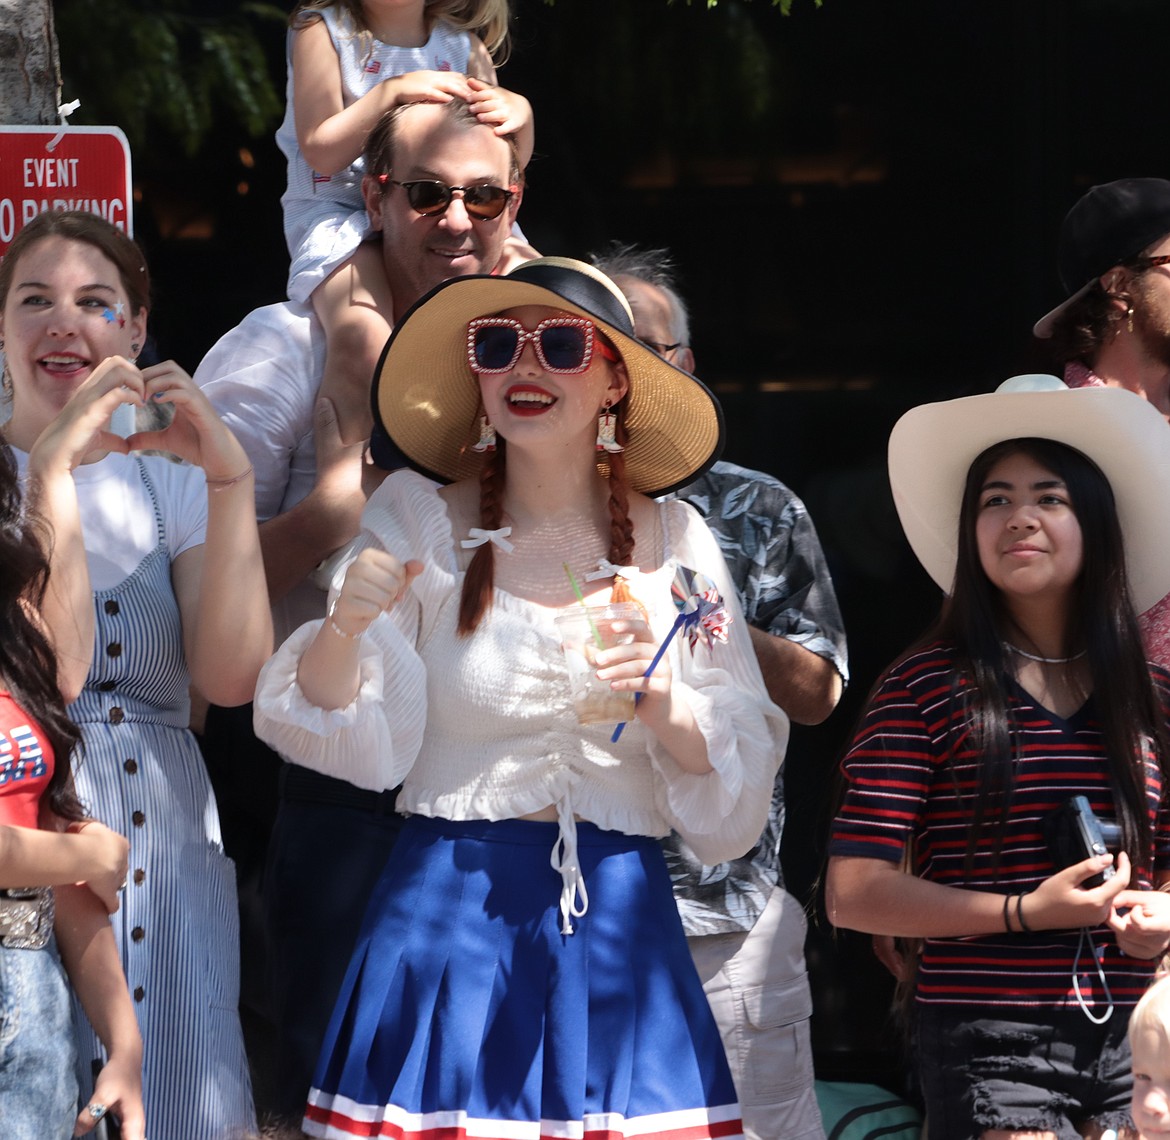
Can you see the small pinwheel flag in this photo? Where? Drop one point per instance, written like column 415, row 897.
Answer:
column 701, row 613
column 701, row 610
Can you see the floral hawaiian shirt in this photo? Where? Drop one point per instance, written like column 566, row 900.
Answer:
column 776, row 561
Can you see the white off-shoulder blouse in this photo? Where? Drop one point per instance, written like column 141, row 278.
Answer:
column 483, row 727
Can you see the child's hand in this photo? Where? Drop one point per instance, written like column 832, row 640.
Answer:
column 1141, row 922
column 428, row 87
column 498, row 108
column 374, row 584
column 109, row 853
column 118, row 1089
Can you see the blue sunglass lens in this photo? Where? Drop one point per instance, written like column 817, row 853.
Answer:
column 495, row 346
column 563, row 346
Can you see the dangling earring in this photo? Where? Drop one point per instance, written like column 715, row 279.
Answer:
column 607, row 430
column 487, row 436
column 1129, row 315
column 6, row 383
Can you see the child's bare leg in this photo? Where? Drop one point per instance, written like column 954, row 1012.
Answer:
column 354, row 305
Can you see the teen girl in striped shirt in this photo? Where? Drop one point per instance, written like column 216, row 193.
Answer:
column 1028, row 505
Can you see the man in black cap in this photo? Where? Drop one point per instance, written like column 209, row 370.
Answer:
column 1114, row 327
column 1114, row 258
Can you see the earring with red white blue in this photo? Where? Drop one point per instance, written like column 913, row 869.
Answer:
column 487, row 436
column 607, row 431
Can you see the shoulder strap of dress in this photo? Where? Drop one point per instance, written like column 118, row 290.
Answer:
column 148, row 483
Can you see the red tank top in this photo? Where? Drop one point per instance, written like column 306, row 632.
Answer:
column 26, row 764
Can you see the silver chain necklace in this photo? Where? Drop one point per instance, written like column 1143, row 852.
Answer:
column 1044, row 660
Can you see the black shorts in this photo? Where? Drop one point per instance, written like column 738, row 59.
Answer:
column 1028, row 1069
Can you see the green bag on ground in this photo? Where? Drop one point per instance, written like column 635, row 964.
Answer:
column 855, row 1111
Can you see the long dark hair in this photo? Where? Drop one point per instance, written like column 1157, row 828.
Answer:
column 28, row 665
column 974, row 620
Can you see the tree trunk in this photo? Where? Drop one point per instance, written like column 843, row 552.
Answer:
column 30, row 69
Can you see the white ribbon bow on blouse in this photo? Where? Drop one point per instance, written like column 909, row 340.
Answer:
column 606, row 569
column 496, row 537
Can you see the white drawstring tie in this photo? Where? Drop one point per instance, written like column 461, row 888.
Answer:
column 574, row 896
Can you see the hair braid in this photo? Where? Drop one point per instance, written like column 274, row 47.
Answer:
column 480, row 576
column 621, row 527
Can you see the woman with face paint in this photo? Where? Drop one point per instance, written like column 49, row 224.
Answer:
column 179, row 597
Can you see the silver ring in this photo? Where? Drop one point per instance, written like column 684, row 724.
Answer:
column 97, row 1111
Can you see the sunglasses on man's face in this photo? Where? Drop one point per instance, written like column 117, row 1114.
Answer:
column 1143, row 263
column 563, row 344
column 430, row 197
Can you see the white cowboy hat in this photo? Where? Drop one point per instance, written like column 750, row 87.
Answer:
column 427, row 400
column 933, row 446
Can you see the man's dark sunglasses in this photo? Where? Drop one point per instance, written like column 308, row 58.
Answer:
column 430, row 197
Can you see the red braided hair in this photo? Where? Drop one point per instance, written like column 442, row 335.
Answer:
column 480, row 577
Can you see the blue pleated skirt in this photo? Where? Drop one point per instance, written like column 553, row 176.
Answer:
column 466, row 1013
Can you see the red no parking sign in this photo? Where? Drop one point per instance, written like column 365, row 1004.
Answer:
column 63, row 168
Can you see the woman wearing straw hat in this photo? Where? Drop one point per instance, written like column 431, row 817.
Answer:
column 521, row 969
column 993, row 752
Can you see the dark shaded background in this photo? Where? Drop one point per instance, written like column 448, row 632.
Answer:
column 863, row 200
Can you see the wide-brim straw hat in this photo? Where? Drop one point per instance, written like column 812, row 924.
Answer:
column 933, row 446
column 427, row 400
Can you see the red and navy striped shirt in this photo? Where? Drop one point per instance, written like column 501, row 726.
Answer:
column 912, row 775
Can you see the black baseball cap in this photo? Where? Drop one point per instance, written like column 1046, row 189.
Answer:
column 1110, row 224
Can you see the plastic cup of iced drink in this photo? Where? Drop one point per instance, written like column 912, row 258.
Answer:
column 581, row 629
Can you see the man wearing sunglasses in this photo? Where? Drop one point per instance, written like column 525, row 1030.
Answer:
column 745, row 932
column 1113, row 328
column 442, row 191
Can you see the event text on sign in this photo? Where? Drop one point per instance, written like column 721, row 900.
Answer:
column 63, row 168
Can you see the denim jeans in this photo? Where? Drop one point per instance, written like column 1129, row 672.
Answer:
column 38, row 1087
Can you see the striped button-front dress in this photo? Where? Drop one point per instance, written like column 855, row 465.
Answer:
column 142, row 774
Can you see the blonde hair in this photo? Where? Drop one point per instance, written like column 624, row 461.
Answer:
column 487, row 19
column 1152, row 1012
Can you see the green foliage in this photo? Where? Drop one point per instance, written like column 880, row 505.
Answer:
column 172, row 69
column 664, row 79
column 171, row 65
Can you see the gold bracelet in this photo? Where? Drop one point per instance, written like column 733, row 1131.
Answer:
column 220, row 484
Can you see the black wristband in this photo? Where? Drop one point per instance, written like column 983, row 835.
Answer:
column 1020, row 913
column 1007, row 925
